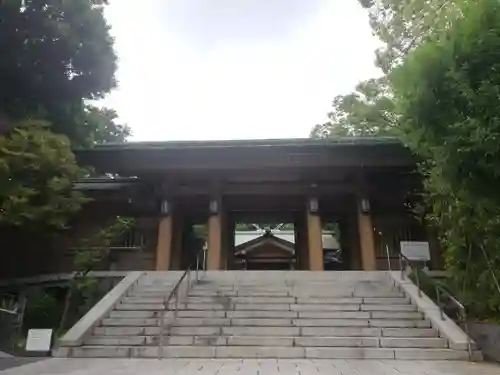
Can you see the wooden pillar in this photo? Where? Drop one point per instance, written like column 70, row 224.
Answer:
column 214, row 242
column 164, row 244
column 231, row 226
column 366, row 240
column 302, row 256
column 177, row 241
column 314, row 237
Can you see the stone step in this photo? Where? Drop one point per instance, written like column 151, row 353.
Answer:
column 392, row 342
column 130, row 322
column 133, row 313
column 202, row 313
column 385, row 353
column 274, row 352
column 267, row 307
column 275, row 300
column 413, row 342
column 253, row 300
column 277, row 322
column 386, row 300
column 319, row 292
column 344, row 331
column 266, row 322
column 368, row 332
column 409, row 332
column 414, row 315
column 143, row 307
column 388, row 307
column 270, row 314
column 345, row 307
column 151, row 293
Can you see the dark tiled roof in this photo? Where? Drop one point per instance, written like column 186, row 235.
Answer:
column 298, row 142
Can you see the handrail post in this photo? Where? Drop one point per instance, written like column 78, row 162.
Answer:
column 466, row 327
column 418, row 281
column 188, row 286
column 160, row 340
column 401, row 266
column 197, row 267
column 438, row 297
column 176, row 302
column 388, row 257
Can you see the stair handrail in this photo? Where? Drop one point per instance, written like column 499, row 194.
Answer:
column 174, row 294
column 440, row 289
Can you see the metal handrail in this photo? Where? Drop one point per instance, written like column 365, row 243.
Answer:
column 404, row 259
column 440, row 289
column 10, row 312
column 175, row 294
column 388, row 255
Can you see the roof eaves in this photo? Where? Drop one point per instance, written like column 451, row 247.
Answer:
column 298, row 142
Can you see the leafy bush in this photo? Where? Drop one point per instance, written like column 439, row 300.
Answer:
column 447, row 97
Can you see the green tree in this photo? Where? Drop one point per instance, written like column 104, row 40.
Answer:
column 101, row 126
column 37, row 169
column 94, row 250
column 368, row 111
column 54, row 55
column 447, row 93
column 401, row 25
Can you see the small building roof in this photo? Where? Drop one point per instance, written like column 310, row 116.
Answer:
column 242, row 237
column 104, row 183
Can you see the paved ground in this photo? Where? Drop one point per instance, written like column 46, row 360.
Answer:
column 8, row 362
column 249, row 367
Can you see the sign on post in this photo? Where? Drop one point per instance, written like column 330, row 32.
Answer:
column 39, row 340
column 417, row 251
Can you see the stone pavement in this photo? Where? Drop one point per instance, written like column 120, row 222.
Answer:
column 82, row 366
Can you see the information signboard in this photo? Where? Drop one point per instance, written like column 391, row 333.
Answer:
column 416, row 250
column 39, row 340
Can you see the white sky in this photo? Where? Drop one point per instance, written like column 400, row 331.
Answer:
column 229, row 69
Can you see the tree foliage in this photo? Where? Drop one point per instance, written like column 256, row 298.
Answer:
column 93, row 250
column 54, row 55
column 447, row 93
column 368, row 111
column 37, row 169
column 401, row 25
column 102, row 127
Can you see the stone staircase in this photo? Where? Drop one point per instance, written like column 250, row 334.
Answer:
column 271, row 314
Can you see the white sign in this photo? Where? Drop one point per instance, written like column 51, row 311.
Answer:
column 38, row 340
column 417, row 251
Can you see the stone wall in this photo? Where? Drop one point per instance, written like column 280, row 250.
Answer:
column 487, row 336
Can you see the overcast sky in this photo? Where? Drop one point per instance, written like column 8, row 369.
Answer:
column 228, row 69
